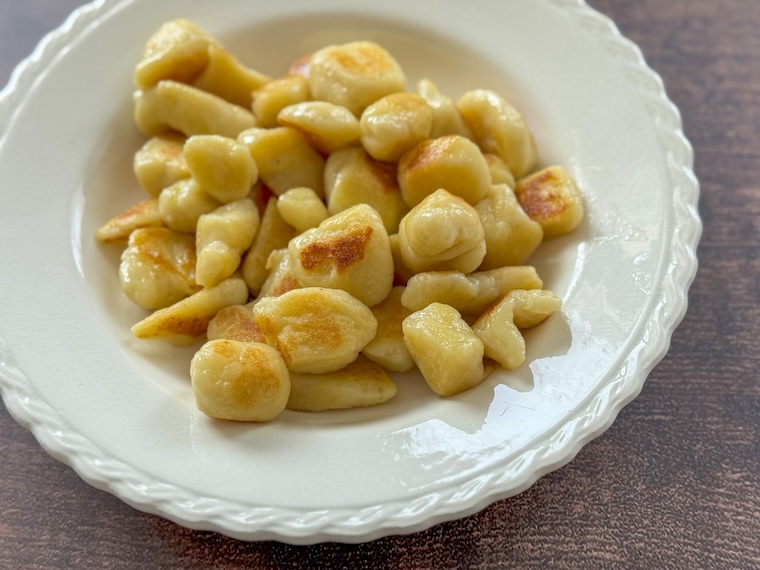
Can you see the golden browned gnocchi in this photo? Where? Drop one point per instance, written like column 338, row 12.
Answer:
column 144, row 214
column 316, row 329
column 552, row 198
column 243, row 381
column 321, row 230
column 452, row 162
column 354, row 75
column 349, row 251
column 158, row 267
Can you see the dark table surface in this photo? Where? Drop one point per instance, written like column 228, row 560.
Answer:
column 674, row 483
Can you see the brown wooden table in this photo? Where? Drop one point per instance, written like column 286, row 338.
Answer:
column 673, row 484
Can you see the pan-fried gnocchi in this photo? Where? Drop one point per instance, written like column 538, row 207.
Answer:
column 317, row 230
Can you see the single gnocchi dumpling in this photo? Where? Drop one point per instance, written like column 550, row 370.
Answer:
column 468, row 293
column 285, row 159
column 158, row 267
column 502, row 340
column 511, row 235
column 144, row 214
column 388, row 348
column 235, row 322
column 442, row 232
column 226, row 77
column 160, row 162
column 353, row 177
column 185, row 321
column 349, row 251
column 221, row 166
column 302, row 208
column 178, row 50
column 221, row 238
column 446, row 117
column 317, row 330
column 240, row 381
column 451, row 162
column 273, row 97
column 183, row 203
column 354, row 75
column 274, row 233
column 532, row 307
column 500, row 129
column 281, row 278
column 446, row 350
column 394, row 124
column 171, row 105
column 327, row 127
column 359, row 385
column 552, row 198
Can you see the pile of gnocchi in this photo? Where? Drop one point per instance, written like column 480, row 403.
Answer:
column 321, row 230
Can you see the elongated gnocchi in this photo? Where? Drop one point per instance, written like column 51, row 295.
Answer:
column 226, row 77
column 171, row 105
column 144, row 214
column 360, row 384
column 186, row 321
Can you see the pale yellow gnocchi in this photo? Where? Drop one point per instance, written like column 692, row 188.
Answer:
column 326, row 228
column 442, row 232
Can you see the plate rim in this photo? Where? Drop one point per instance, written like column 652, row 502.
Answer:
column 103, row 471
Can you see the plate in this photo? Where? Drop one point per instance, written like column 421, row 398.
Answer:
column 121, row 412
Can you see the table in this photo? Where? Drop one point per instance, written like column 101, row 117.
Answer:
column 674, row 483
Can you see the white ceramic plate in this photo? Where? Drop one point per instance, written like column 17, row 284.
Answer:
column 121, row 412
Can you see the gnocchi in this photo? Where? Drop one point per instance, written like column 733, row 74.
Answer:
column 316, row 231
